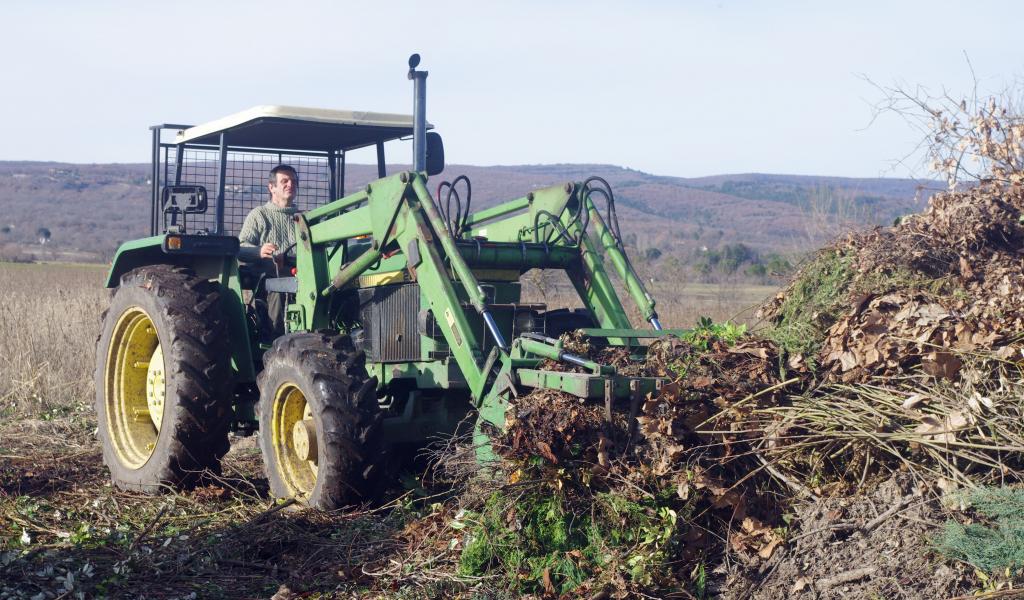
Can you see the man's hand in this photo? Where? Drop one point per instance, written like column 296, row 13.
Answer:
column 268, row 250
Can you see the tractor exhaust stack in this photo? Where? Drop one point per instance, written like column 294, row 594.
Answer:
column 419, row 115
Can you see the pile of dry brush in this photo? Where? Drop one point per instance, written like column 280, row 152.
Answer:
column 909, row 361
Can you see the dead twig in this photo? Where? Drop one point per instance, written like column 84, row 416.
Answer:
column 997, row 594
column 252, row 565
column 148, row 529
column 800, row 489
column 273, row 509
column 844, row 526
column 866, row 528
column 845, row 577
column 895, row 508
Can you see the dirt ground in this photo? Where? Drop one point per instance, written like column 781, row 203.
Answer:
column 65, row 532
column 220, row 541
column 869, row 546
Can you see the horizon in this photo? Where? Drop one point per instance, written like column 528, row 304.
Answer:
column 517, row 166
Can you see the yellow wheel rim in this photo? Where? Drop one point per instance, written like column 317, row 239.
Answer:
column 155, row 387
column 134, row 387
column 294, row 438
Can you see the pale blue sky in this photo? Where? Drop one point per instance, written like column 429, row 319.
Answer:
column 672, row 88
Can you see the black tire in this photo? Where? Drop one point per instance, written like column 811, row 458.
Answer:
column 163, row 428
column 564, row 320
column 324, row 376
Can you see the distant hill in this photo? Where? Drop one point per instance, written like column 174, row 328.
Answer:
column 90, row 208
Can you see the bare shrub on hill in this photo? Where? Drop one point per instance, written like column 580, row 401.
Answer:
column 969, row 140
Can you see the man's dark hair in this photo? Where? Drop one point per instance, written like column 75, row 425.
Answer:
column 283, row 169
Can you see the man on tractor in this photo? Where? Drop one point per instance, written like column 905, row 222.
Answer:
column 268, row 233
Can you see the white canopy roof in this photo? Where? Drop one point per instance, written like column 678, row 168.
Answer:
column 300, row 128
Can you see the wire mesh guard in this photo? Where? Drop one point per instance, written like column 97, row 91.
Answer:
column 245, row 182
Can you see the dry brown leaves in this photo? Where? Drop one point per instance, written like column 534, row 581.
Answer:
column 973, row 242
column 930, row 292
column 553, row 425
column 726, row 381
column 691, row 437
column 755, row 537
column 710, row 405
column 891, row 334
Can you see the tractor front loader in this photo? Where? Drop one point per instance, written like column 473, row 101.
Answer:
column 405, row 312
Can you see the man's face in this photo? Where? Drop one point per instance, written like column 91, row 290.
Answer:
column 282, row 190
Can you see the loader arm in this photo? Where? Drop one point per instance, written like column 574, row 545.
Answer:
column 402, row 231
column 533, row 218
column 400, row 216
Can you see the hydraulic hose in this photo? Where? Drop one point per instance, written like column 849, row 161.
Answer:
column 615, row 247
column 457, row 224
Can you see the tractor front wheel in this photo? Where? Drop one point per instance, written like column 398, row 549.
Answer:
column 319, row 420
column 163, row 380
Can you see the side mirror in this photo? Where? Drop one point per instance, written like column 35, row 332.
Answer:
column 187, row 199
column 435, row 153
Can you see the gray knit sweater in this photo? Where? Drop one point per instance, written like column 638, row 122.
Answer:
column 268, row 224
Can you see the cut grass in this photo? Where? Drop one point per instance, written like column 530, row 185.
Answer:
column 65, row 530
column 49, row 321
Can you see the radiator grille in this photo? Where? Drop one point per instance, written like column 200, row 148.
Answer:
column 389, row 315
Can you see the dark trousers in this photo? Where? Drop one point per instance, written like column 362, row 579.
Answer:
column 276, row 303
column 274, row 327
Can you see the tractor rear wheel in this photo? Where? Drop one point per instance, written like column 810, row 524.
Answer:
column 319, row 420
column 163, row 380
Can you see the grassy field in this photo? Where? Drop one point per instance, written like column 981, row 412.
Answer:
column 49, row 319
column 65, row 532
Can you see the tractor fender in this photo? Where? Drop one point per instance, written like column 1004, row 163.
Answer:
column 218, row 265
column 135, row 254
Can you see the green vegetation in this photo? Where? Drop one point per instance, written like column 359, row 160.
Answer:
column 819, row 197
column 813, row 303
column 707, row 331
column 538, row 539
column 994, row 546
column 556, row 532
column 788, row 193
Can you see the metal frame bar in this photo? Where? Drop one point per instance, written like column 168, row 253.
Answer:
column 258, row 149
column 221, row 176
column 341, row 175
column 178, row 162
column 332, row 178
column 155, row 177
column 162, row 175
column 249, row 149
column 162, row 221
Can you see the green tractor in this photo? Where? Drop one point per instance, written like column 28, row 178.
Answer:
column 403, row 314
